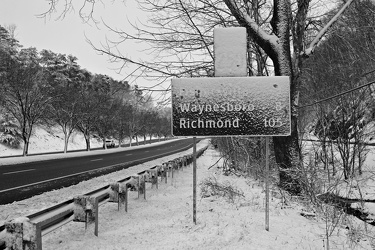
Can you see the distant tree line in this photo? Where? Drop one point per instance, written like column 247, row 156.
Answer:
column 43, row 87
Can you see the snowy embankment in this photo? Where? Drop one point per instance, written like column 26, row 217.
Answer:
column 50, row 140
column 164, row 220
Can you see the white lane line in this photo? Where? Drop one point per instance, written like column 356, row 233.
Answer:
column 71, row 175
column 128, row 154
column 21, row 171
column 97, row 159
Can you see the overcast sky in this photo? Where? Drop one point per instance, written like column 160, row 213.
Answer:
column 67, row 35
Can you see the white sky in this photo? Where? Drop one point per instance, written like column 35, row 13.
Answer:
column 67, row 36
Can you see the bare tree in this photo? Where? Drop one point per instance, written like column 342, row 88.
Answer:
column 180, row 33
column 26, row 93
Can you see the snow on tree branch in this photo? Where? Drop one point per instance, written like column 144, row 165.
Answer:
column 265, row 40
column 323, row 31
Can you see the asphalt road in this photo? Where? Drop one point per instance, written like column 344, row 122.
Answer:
column 22, row 181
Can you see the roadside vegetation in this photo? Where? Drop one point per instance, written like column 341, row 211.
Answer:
column 326, row 47
column 51, row 89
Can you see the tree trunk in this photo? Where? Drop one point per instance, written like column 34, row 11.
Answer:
column 26, row 134
column 287, row 154
column 119, row 141
column 287, row 149
column 65, row 143
column 87, row 139
column 333, row 160
column 25, row 147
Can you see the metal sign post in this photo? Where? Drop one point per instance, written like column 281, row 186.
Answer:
column 267, row 184
column 195, row 180
column 231, row 104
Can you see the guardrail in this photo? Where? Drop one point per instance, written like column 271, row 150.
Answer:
column 26, row 232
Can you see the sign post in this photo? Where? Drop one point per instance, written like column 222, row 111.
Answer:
column 195, row 180
column 267, row 184
column 231, row 104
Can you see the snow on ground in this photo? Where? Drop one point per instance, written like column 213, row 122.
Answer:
column 48, row 199
column 50, row 140
column 45, row 157
column 164, row 220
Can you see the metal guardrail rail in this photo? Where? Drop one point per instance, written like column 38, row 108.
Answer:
column 27, row 232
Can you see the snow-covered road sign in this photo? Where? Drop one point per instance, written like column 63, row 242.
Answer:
column 228, row 106
column 231, row 103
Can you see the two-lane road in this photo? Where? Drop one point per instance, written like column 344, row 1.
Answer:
column 25, row 180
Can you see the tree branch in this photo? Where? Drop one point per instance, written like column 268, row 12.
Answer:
column 307, row 52
column 266, row 41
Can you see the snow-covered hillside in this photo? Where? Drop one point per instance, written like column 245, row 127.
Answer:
column 50, row 140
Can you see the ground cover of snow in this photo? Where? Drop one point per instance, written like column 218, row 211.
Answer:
column 164, row 219
column 50, row 140
column 48, row 199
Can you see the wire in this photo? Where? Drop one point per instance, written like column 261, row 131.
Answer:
column 343, row 93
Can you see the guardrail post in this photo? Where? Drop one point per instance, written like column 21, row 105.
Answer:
column 86, row 210
column 14, row 231
column 181, row 163
column 23, row 234
column 114, row 194
column 159, row 169
column 123, row 195
column 165, row 171
column 142, row 185
column 171, row 168
column 186, row 161
column 190, row 159
column 177, row 162
column 152, row 176
column 157, row 177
